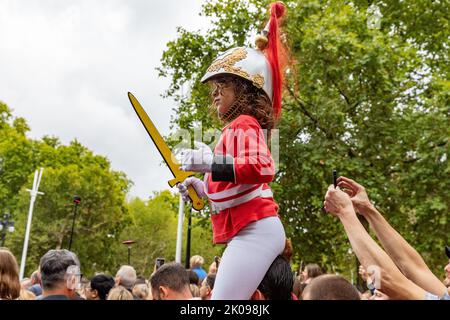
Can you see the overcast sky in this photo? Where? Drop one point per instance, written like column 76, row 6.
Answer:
column 66, row 67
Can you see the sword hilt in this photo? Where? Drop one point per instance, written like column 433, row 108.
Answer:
column 197, row 203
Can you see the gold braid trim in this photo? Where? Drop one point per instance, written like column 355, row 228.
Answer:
column 235, row 110
column 258, row 81
column 228, row 62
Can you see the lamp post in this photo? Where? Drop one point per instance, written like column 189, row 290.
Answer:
column 6, row 225
column 76, row 201
column 129, row 244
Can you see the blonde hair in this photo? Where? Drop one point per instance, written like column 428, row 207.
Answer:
column 9, row 276
column 196, row 261
column 26, row 295
column 141, row 291
column 195, row 290
column 119, row 293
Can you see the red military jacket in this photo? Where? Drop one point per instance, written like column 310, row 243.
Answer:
column 237, row 187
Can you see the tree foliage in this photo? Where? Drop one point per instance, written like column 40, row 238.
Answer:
column 16, row 157
column 372, row 103
column 68, row 171
column 154, row 228
column 103, row 218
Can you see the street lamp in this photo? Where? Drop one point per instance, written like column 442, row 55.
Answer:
column 129, row 244
column 6, row 225
column 76, row 201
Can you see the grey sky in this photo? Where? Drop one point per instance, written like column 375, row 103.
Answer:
column 66, row 66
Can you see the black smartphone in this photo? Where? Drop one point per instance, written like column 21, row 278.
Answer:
column 159, row 262
column 335, row 178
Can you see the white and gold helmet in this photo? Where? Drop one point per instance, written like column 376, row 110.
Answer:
column 261, row 67
column 247, row 63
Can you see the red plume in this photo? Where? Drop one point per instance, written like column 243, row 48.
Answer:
column 277, row 10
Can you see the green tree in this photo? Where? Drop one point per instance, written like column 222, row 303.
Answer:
column 102, row 212
column 104, row 219
column 16, row 157
column 154, row 228
column 372, row 103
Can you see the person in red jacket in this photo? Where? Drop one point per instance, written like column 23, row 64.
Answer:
column 246, row 91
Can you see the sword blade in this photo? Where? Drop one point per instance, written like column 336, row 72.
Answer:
column 154, row 134
column 166, row 153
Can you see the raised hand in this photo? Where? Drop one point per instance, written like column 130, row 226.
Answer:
column 337, row 202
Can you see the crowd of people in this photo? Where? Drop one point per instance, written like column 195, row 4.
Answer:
column 397, row 272
column 246, row 87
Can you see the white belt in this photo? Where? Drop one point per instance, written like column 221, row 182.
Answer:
column 219, row 206
column 240, row 188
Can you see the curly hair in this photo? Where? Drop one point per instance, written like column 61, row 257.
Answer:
column 250, row 100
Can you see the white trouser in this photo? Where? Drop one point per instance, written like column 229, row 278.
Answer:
column 247, row 258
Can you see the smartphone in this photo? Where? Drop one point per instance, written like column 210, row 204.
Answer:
column 159, row 262
column 335, row 178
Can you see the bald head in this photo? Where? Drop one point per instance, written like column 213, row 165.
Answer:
column 330, row 287
column 126, row 277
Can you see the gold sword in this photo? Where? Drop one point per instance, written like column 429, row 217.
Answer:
column 166, row 153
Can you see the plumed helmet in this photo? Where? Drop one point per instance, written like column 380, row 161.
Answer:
column 247, row 63
column 262, row 67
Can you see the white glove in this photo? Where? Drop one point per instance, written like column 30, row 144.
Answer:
column 197, row 160
column 198, row 185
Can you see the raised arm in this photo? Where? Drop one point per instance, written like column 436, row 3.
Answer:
column 402, row 253
column 396, row 285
